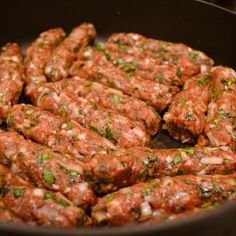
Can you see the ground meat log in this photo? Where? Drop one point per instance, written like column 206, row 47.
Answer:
column 112, row 125
column 128, row 166
column 162, row 67
column 46, row 169
column 103, row 96
column 38, row 205
column 185, row 118
column 58, row 66
column 39, row 54
column 59, row 133
column 178, row 194
column 158, row 46
column 11, row 77
column 93, row 65
column 220, row 129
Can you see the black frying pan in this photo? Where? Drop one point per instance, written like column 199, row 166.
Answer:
column 200, row 25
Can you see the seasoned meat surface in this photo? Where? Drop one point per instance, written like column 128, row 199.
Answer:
column 46, row 169
column 119, row 129
column 162, row 67
column 185, row 118
column 11, row 77
column 38, row 205
column 140, row 202
column 159, row 46
column 94, row 66
column 59, row 133
column 220, row 129
column 39, row 54
column 77, row 149
column 102, row 96
column 128, row 166
column 8, row 216
column 58, row 66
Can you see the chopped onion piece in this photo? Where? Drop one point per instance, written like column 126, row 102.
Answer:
column 212, row 160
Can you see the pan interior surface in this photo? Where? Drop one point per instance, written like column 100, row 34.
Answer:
column 195, row 23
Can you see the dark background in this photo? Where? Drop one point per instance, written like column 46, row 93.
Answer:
column 229, row 4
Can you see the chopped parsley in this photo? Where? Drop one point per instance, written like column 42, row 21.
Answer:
column 43, row 157
column 108, row 133
column 177, row 159
column 94, row 105
column 117, row 98
column 179, row 73
column 49, row 195
column 189, row 151
column 160, row 79
column 48, row 177
column 194, row 56
column 10, row 119
column 30, row 111
column 203, row 81
column 18, row 192
column 63, row 110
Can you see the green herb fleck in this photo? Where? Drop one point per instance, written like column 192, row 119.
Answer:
column 179, row 73
column 69, row 125
column 220, row 111
column 74, row 138
column 48, row 177
column 18, row 192
column 146, row 191
column 183, row 102
column 30, row 111
column 62, row 203
column 175, row 61
column 202, row 81
column 94, row 105
column 63, row 110
column 117, row 98
column 188, row 116
column 108, row 56
column 110, row 197
column 216, row 122
column 177, row 159
column 74, row 173
column 214, row 93
column 194, row 56
column 160, row 79
column 189, row 151
column 43, row 157
column 10, row 119
column 108, row 133
column 49, row 195
column 137, row 212
column 206, row 205
column 225, row 161
column 215, row 187
column 100, row 46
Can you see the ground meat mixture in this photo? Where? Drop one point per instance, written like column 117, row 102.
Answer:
column 46, row 169
column 220, row 129
column 140, row 202
column 61, row 134
column 110, row 124
column 94, row 66
column 11, row 77
column 38, row 205
column 185, row 118
column 58, row 66
column 128, row 166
